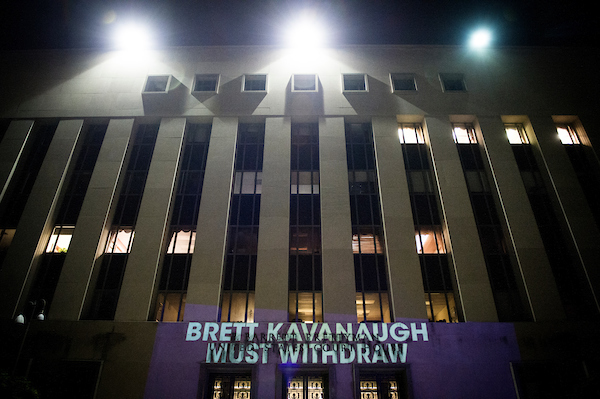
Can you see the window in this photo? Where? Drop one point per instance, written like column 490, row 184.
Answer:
column 304, row 83
column 355, row 82
column 379, row 384
column 305, row 276
column 453, row 82
column 237, row 303
column 464, row 134
column 230, row 386
column 157, row 84
column 403, row 82
column 206, row 83
column 370, row 269
column 516, row 134
column 298, row 385
column 567, row 135
column 411, row 134
column 60, row 239
column 255, row 83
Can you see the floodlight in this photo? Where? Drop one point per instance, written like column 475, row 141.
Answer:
column 306, row 33
column 132, row 36
column 480, row 38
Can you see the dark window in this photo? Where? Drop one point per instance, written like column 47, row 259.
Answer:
column 453, row 82
column 157, row 84
column 206, row 83
column 403, row 82
column 304, row 83
column 355, row 82
column 255, row 82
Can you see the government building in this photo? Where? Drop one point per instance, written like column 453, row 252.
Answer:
column 364, row 222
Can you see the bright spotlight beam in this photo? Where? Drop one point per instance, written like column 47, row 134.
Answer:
column 132, row 37
column 306, row 33
column 480, row 38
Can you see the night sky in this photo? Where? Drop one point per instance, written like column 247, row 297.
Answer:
column 45, row 24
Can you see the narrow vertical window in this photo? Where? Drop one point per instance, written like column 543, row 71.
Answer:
column 586, row 166
column 370, row 268
column 305, row 277
column 122, row 232
column 505, row 286
column 172, row 290
column 237, row 303
column 56, row 249
column 19, row 188
column 429, row 239
column 573, row 288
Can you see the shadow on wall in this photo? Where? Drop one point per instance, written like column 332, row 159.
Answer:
column 307, row 103
column 231, row 100
column 170, row 102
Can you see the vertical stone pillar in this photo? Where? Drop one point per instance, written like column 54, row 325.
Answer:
column 473, row 284
column 272, row 264
column 339, row 289
column 11, row 148
column 137, row 289
column 204, row 287
column 532, row 263
column 406, row 280
column 575, row 209
column 35, row 226
column 91, row 229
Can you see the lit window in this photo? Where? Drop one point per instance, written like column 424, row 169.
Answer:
column 229, row 386
column 516, row 134
column 371, row 305
column 430, row 240
column 410, row 134
column 355, row 82
column 567, row 135
column 366, row 244
column 120, row 241
column 306, row 307
column 453, row 82
column 304, row 83
column 441, row 307
column 464, row 134
column 182, row 242
column 305, row 386
column 238, row 306
column 403, row 82
column 383, row 384
column 206, row 83
column 157, row 84
column 60, row 239
column 171, row 306
column 255, row 83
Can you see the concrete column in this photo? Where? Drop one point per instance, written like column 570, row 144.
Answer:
column 204, row 287
column 462, row 240
column 136, row 296
column 87, row 244
column 339, row 290
column 532, row 262
column 11, row 148
column 35, row 226
column 272, row 263
column 406, row 280
column 575, row 209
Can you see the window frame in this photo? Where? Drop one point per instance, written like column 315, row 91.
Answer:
column 447, row 78
column 150, row 77
column 365, row 81
column 217, row 78
column 245, row 78
column 406, row 76
column 316, row 82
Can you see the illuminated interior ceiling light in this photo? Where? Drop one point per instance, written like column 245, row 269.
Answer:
column 132, row 37
column 480, row 38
